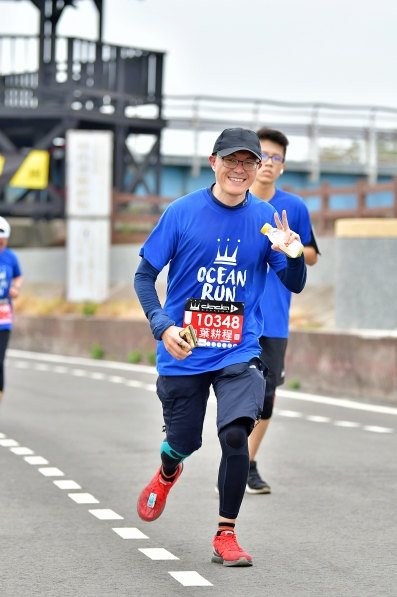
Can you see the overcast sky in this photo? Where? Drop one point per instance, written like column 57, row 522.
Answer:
column 307, row 50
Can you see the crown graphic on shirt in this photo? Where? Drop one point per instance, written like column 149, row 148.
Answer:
column 226, row 259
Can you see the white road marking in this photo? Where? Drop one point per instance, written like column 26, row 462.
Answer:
column 22, row 364
column 21, row 451
column 51, row 471
column 83, row 498
column 2, row 435
column 63, row 484
column 35, row 460
column 289, row 413
column 79, row 372
column 191, row 579
column 151, row 387
column 60, row 369
column 377, row 429
column 158, row 553
column 106, row 514
column 346, row 424
column 115, row 379
column 55, row 358
column 130, row 533
column 132, row 383
column 97, row 375
column 41, row 367
column 8, row 443
column 341, row 402
column 318, row 419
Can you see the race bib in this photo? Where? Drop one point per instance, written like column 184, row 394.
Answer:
column 5, row 312
column 216, row 323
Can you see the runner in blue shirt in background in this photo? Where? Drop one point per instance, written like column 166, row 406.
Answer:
column 218, row 261
column 277, row 298
column 10, row 286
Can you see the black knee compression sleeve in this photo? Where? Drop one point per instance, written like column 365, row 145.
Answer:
column 233, row 470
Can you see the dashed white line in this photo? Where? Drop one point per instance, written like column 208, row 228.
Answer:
column 116, row 379
column 35, row 460
column 97, row 375
column 339, row 402
column 150, row 386
column 22, row 364
column 8, row 443
column 51, row 471
column 346, row 424
column 130, row 533
column 318, row 419
column 83, row 498
column 79, row 372
column 377, row 429
column 63, row 484
column 21, row 451
column 41, row 367
column 106, row 514
column 289, row 413
column 132, row 383
column 2, row 435
column 191, row 579
column 158, row 553
column 60, row 369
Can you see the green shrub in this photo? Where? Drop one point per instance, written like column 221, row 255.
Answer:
column 90, row 309
column 294, row 384
column 135, row 356
column 151, row 357
column 97, row 351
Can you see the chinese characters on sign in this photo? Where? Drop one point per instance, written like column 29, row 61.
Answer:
column 89, row 190
column 216, row 323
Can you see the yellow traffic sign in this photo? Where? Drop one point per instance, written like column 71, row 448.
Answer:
column 33, row 172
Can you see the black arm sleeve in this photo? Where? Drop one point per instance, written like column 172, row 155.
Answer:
column 294, row 275
column 144, row 284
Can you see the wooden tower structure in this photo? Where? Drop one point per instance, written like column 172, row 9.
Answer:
column 55, row 83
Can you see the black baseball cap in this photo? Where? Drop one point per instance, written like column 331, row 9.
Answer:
column 231, row 140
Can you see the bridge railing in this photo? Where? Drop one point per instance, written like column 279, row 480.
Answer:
column 134, row 216
column 363, row 200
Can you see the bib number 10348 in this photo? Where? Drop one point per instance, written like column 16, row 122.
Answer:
column 217, row 324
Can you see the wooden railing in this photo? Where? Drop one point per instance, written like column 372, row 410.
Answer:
column 324, row 218
column 134, row 217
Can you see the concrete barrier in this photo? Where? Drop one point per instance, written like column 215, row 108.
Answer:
column 74, row 335
column 360, row 365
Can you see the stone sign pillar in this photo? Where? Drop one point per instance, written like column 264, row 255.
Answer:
column 366, row 274
column 88, row 210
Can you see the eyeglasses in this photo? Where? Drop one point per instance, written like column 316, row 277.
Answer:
column 276, row 159
column 248, row 165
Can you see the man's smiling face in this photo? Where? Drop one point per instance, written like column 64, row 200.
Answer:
column 234, row 181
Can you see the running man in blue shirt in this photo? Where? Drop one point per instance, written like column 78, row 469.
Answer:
column 277, row 298
column 10, row 286
column 218, row 261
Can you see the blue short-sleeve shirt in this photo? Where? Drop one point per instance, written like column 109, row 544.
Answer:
column 217, row 254
column 277, row 298
column 9, row 269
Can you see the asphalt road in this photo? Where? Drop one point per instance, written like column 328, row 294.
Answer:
column 329, row 527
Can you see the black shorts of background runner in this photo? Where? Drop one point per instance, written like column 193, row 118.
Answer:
column 4, row 337
column 273, row 355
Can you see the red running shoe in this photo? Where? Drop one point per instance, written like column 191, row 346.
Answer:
column 151, row 502
column 228, row 552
